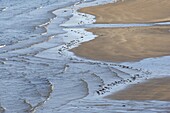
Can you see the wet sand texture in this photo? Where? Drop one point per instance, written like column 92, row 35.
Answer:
column 155, row 89
column 131, row 11
column 126, row 44
column 131, row 43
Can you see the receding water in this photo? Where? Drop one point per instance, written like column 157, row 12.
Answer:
column 38, row 74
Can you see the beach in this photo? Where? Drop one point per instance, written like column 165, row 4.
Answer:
column 131, row 11
column 153, row 89
column 55, row 59
column 131, row 44
column 126, row 44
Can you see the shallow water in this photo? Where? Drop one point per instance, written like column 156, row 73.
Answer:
column 39, row 74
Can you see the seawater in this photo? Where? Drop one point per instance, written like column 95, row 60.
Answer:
column 39, row 74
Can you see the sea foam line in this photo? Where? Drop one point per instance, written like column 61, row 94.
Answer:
column 83, row 21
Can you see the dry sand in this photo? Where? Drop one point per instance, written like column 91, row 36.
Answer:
column 126, row 44
column 131, row 11
column 154, row 89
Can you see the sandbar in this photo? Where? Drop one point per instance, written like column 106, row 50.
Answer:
column 154, row 89
column 131, row 11
column 126, row 44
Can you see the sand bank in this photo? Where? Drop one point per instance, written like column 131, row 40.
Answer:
column 131, row 11
column 154, row 89
column 126, row 44
column 131, row 43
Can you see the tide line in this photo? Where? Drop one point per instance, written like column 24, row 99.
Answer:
column 117, row 25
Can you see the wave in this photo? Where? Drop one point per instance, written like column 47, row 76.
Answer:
column 39, row 74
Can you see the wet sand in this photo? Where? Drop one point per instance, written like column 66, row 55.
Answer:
column 126, row 44
column 131, row 11
column 131, row 43
column 154, row 89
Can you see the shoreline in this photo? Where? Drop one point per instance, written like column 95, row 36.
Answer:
column 73, row 38
column 130, row 11
column 90, row 52
column 95, row 49
column 41, row 74
column 129, row 44
column 151, row 89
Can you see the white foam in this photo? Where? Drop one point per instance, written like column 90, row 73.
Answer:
column 50, row 64
column 159, row 67
column 1, row 46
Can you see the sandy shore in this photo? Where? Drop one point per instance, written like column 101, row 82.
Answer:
column 154, row 89
column 126, row 44
column 131, row 11
column 131, row 43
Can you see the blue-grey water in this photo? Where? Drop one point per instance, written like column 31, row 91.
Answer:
column 37, row 75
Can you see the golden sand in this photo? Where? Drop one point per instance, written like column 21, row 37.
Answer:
column 155, row 89
column 126, row 44
column 131, row 11
column 131, row 44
